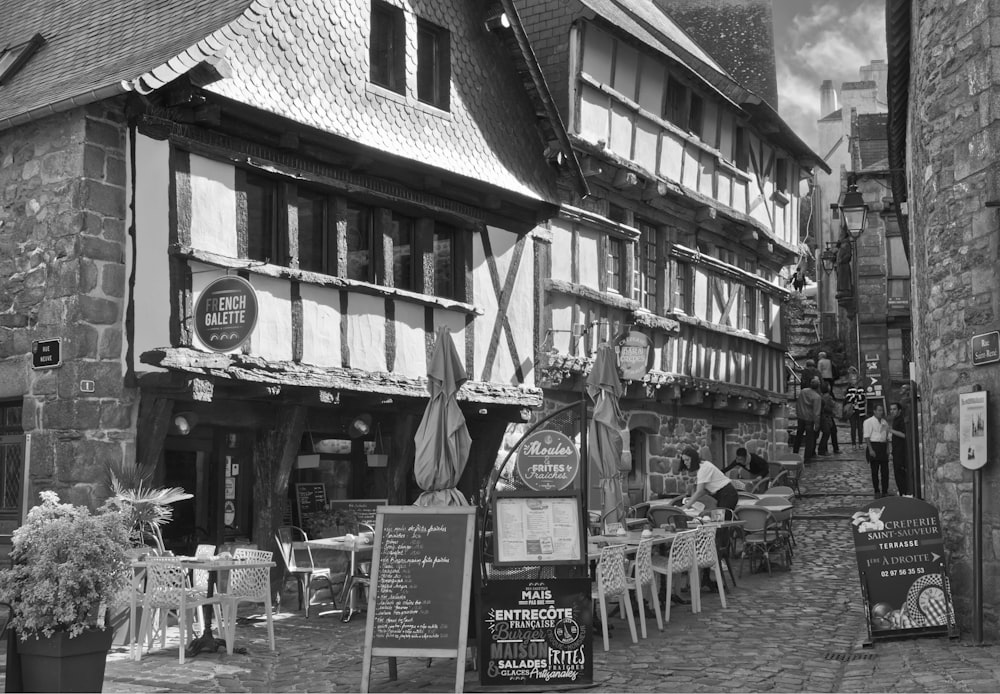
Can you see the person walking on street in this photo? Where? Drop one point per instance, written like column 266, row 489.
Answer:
column 854, row 410
column 808, row 408
column 876, row 433
column 897, row 428
column 826, row 370
column 827, row 422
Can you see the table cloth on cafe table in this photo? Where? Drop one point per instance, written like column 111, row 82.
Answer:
column 442, row 440
column 607, row 437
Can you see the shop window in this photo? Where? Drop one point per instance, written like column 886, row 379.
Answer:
column 265, row 241
column 387, row 49
column 433, row 64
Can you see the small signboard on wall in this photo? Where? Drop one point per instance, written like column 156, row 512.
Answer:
column 985, row 348
column 973, row 428
column 46, row 354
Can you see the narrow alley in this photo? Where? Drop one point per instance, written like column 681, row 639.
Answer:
column 797, row 630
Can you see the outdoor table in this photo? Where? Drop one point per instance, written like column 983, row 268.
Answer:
column 631, row 539
column 341, row 544
column 205, row 642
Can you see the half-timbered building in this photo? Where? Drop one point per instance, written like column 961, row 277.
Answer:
column 694, row 210
column 243, row 222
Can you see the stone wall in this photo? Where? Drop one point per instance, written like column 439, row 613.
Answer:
column 954, row 173
column 62, row 275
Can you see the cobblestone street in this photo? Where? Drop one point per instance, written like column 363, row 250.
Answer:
column 797, row 630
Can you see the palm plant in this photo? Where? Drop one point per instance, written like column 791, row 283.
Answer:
column 148, row 506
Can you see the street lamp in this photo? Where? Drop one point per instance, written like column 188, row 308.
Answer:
column 854, row 216
column 829, row 257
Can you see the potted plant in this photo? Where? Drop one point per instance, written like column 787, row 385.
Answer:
column 68, row 566
column 330, row 521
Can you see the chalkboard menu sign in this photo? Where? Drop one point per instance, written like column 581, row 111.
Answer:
column 537, row 633
column 900, row 553
column 362, row 509
column 421, row 582
column 309, row 498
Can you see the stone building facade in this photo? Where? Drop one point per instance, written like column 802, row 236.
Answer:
column 944, row 131
column 62, row 254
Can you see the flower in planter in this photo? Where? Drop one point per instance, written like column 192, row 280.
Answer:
column 68, row 566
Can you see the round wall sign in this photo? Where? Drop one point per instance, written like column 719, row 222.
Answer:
column 548, row 461
column 635, row 355
column 226, row 313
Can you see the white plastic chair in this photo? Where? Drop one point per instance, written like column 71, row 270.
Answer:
column 643, row 575
column 247, row 585
column 707, row 554
column 168, row 588
column 611, row 582
column 199, row 581
column 681, row 559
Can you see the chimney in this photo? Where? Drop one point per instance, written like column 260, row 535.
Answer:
column 827, row 98
column 739, row 34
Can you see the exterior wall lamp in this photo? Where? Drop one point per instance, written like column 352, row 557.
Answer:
column 853, row 210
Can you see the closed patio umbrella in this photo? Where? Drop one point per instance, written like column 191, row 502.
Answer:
column 442, row 440
column 607, row 436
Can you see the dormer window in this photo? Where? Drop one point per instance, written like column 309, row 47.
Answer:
column 13, row 58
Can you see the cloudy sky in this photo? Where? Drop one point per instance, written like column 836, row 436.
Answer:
column 817, row 40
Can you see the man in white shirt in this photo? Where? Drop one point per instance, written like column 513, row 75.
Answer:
column 876, row 434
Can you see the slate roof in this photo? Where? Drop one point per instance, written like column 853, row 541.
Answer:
column 308, row 60
column 92, row 45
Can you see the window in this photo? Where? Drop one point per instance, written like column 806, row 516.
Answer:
column 317, row 236
column 763, row 314
column 359, row 243
column 265, row 241
column 647, row 267
column 741, row 150
column 616, row 264
column 617, row 214
column 444, row 262
column 433, row 65
column 696, row 115
column 387, row 51
column 15, row 57
column 11, row 459
column 401, row 237
column 781, row 175
column 675, row 109
column 899, row 272
column 682, row 287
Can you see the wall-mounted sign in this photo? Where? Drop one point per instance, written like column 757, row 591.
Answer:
column 548, row 461
column 226, row 313
column 986, row 348
column 635, row 355
column 46, row 354
column 973, row 428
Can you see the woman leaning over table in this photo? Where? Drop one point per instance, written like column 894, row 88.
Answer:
column 709, row 481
